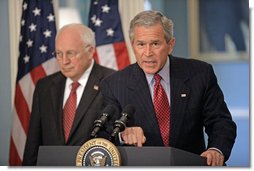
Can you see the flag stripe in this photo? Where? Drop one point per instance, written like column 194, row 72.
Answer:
column 22, row 109
column 106, row 55
column 96, row 58
column 27, row 88
column 50, row 66
column 37, row 73
column 13, row 151
column 19, row 138
column 121, row 54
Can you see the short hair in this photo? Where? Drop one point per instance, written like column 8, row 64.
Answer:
column 87, row 34
column 151, row 18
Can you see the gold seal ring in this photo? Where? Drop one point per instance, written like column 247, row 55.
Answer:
column 98, row 152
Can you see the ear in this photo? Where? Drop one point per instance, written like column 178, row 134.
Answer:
column 91, row 50
column 171, row 45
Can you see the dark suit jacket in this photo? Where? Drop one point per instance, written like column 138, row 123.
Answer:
column 203, row 106
column 46, row 126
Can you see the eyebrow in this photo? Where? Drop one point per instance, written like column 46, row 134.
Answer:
column 151, row 41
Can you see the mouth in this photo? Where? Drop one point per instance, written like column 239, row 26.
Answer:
column 67, row 69
column 149, row 63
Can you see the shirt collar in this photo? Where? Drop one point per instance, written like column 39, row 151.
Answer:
column 164, row 73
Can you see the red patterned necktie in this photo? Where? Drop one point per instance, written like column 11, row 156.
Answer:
column 70, row 110
column 162, row 109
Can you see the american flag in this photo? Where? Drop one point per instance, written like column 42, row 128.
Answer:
column 104, row 19
column 35, row 61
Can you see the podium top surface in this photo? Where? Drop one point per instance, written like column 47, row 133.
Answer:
column 130, row 156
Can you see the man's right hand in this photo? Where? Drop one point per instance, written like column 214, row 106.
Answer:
column 133, row 136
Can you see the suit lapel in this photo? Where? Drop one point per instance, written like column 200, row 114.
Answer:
column 140, row 90
column 179, row 94
column 179, row 97
column 90, row 92
column 57, row 93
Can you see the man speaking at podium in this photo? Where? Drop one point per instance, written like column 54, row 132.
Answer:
column 175, row 98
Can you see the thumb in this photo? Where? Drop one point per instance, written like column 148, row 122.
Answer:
column 208, row 158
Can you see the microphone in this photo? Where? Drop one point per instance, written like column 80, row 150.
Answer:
column 120, row 124
column 107, row 113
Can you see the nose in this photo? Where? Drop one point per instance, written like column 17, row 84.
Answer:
column 148, row 49
column 65, row 59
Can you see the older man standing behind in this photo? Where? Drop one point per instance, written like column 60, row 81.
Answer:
column 65, row 104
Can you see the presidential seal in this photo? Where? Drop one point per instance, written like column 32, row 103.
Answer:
column 98, row 152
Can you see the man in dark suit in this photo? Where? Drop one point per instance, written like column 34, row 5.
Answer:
column 75, row 46
column 195, row 101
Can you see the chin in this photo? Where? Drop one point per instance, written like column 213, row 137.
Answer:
column 68, row 74
column 150, row 71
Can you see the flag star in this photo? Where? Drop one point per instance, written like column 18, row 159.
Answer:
column 26, row 59
column 22, row 22
column 95, row 2
column 98, row 22
column 105, row 8
column 29, row 43
column 43, row 49
column 32, row 27
column 110, row 32
column 47, row 33
column 51, row 17
column 25, row 6
column 37, row 11
column 93, row 18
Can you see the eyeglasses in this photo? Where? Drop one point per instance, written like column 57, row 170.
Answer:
column 70, row 54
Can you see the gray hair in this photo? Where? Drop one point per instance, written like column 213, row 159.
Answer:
column 151, row 18
column 87, row 35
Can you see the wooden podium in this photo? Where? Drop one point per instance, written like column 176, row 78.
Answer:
column 130, row 156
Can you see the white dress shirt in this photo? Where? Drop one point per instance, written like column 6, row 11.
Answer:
column 82, row 81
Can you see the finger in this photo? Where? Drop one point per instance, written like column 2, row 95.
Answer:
column 221, row 160
column 125, row 135
column 214, row 161
column 218, row 158
column 134, row 137
column 144, row 140
column 129, row 137
column 212, row 158
column 140, row 139
column 208, row 158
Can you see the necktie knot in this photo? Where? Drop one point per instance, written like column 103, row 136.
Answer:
column 157, row 78
column 74, row 86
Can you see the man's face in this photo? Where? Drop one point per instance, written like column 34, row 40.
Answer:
column 74, row 58
column 150, row 48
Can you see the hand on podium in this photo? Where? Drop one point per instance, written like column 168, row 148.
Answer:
column 133, row 136
column 214, row 157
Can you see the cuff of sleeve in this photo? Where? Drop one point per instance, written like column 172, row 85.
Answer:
column 120, row 138
column 213, row 148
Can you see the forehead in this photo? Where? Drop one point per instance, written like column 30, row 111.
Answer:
column 69, row 38
column 148, row 32
column 68, row 34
